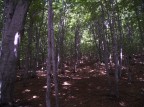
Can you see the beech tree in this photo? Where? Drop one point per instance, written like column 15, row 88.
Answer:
column 51, row 62
column 13, row 28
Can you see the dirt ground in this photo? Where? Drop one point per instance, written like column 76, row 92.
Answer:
column 88, row 87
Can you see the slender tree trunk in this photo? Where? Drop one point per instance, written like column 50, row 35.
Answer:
column 38, row 35
column 120, row 47
column 115, row 46
column 60, row 44
column 28, row 53
column 139, row 25
column 37, row 47
column 48, row 91
column 129, row 53
column 77, row 47
column 55, row 75
column 99, row 41
column 15, row 16
column 51, row 64
column 95, row 38
column 105, row 45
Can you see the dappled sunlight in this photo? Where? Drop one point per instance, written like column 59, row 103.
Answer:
column 26, row 91
column 67, row 71
column 66, row 83
column 81, row 61
column 102, row 72
column 16, row 42
column 140, row 79
column 33, row 97
column 91, row 71
column 41, row 74
column 44, row 87
column 98, row 87
column 65, row 87
column 40, row 105
column 17, row 100
column 71, row 97
column 122, row 104
column 76, row 78
column 86, row 87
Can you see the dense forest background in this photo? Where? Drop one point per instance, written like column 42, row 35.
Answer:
column 72, row 53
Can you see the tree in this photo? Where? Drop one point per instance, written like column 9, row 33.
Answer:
column 13, row 28
column 51, row 62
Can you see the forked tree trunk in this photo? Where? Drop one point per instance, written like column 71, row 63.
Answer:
column 15, row 15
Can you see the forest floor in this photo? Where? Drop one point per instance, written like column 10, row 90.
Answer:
column 88, row 87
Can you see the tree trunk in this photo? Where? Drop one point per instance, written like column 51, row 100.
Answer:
column 114, row 45
column 105, row 46
column 95, row 38
column 77, row 47
column 51, row 64
column 28, row 53
column 120, row 47
column 129, row 52
column 60, row 44
column 139, row 25
column 15, row 15
column 48, row 90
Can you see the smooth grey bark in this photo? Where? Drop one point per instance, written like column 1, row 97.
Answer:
column 60, row 43
column 112, row 23
column 120, row 46
column 77, row 47
column 95, row 38
column 48, row 90
column 51, row 64
column 129, row 52
column 120, row 43
column 15, row 14
column 37, row 48
column 38, row 33
column 28, row 52
column 100, row 49
column 105, row 46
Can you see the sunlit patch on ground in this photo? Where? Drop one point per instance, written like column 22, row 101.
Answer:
column 141, row 79
column 66, row 83
column 102, row 72
column 35, row 96
column 76, row 78
column 26, row 91
column 87, row 87
column 122, row 103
